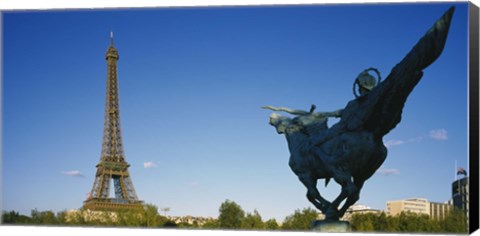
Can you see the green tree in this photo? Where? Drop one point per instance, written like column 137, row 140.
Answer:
column 253, row 221
column 13, row 217
column 184, row 225
column 35, row 216
column 76, row 218
column 391, row 224
column 426, row 224
column 170, row 224
column 366, row 226
column 211, row 224
column 380, row 222
column 61, row 217
column 455, row 222
column 105, row 218
column 271, row 224
column 412, row 222
column 161, row 220
column 150, row 213
column 43, row 217
column 130, row 218
column 404, row 222
column 300, row 220
column 231, row 215
column 363, row 222
column 9, row 217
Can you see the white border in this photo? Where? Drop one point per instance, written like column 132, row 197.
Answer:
column 7, row 5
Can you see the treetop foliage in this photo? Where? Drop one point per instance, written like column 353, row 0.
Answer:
column 232, row 216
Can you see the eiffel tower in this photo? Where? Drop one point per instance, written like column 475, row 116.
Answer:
column 112, row 166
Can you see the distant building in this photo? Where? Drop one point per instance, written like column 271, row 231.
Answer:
column 358, row 209
column 434, row 210
column 192, row 220
column 438, row 211
column 415, row 205
column 460, row 195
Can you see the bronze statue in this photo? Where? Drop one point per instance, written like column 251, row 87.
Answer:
column 352, row 150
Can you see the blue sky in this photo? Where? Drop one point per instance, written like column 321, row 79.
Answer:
column 192, row 81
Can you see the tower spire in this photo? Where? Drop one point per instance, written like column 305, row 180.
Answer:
column 111, row 38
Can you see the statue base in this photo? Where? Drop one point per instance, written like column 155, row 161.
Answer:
column 331, row 226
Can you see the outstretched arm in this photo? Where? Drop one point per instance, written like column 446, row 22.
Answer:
column 337, row 113
column 288, row 110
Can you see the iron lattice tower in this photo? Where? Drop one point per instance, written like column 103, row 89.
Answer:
column 112, row 166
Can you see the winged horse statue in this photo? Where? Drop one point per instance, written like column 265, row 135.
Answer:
column 352, row 150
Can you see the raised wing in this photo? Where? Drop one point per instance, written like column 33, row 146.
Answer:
column 380, row 110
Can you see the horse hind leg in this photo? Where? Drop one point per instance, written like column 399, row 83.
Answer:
column 348, row 189
column 352, row 199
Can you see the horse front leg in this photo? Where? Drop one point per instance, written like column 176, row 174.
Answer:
column 348, row 189
column 312, row 193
